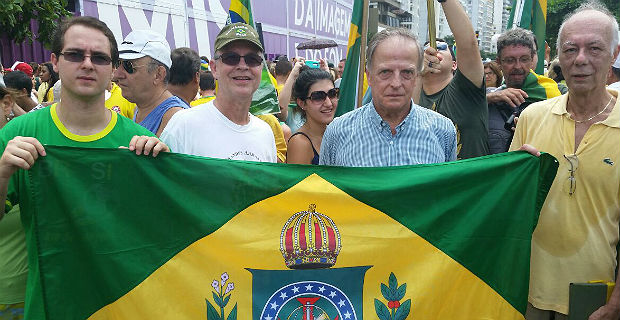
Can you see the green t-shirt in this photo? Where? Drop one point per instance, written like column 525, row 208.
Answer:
column 466, row 105
column 45, row 125
column 13, row 259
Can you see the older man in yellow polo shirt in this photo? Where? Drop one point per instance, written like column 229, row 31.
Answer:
column 577, row 232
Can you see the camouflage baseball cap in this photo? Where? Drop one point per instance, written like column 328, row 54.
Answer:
column 237, row 31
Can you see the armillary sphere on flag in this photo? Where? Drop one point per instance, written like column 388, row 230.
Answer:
column 317, row 44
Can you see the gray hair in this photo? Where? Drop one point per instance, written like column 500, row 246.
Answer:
column 595, row 6
column 388, row 33
column 154, row 64
column 516, row 37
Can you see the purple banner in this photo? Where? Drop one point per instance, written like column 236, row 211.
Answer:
column 196, row 23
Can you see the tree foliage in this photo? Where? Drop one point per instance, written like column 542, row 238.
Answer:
column 16, row 17
column 558, row 9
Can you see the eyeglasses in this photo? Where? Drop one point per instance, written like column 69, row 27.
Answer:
column 570, row 185
column 511, row 60
column 319, row 96
column 233, row 58
column 79, row 56
column 129, row 66
column 440, row 46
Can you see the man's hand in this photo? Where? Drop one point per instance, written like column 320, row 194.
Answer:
column 20, row 152
column 606, row 312
column 323, row 65
column 145, row 145
column 533, row 151
column 297, row 64
column 431, row 61
column 512, row 96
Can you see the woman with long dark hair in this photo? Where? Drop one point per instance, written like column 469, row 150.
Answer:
column 48, row 78
column 316, row 96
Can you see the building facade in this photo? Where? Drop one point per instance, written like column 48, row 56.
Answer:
column 196, row 23
column 488, row 17
column 393, row 13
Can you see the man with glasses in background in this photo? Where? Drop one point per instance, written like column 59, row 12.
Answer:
column 143, row 76
column 458, row 91
column 516, row 56
column 224, row 128
column 577, row 232
column 84, row 51
column 391, row 130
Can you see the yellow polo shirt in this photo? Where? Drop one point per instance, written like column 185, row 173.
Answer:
column 576, row 236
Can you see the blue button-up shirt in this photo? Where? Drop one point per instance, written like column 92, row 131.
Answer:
column 361, row 138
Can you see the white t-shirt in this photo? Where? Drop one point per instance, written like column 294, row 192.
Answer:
column 204, row 131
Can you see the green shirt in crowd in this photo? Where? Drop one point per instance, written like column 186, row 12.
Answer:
column 466, row 105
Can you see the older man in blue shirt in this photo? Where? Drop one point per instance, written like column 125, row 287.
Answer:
column 391, row 130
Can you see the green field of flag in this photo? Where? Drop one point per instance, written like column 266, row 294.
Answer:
column 112, row 235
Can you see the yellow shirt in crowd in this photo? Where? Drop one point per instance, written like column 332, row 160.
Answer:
column 273, row 122
column 116, row 102
column 201, row 100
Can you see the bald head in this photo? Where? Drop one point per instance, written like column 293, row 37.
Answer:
column 590, row 13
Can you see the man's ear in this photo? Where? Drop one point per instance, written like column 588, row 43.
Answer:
column 213, row 68
column 54, row 60
column 197, row 78
column 160, row 74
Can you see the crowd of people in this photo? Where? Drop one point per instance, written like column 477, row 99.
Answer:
column 425, row 104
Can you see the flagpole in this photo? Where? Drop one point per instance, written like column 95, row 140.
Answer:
column 432, row 30
column 362, row 66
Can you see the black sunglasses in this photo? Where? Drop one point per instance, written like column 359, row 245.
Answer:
column 129, row 66
column 233, row 58
column 79, row 56
column 319, row 96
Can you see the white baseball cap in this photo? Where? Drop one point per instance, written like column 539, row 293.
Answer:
column 140, row 43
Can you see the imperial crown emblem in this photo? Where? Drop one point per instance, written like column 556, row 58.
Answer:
column 310, row 240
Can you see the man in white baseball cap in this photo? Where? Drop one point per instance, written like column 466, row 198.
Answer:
column 143, row 75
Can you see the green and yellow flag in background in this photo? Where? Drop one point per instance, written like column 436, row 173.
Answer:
column 119, row 236
column 539, row 88
column 531, row 15
column 350, row 74
column 265, row 99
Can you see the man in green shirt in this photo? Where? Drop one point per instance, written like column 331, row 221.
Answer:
column 458, row 92
column 84, row 52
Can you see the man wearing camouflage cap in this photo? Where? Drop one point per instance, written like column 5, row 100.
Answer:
column 224, row 128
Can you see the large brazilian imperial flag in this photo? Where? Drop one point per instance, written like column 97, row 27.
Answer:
column 350, row 74
column 531, row 15
column 120, row 236
column 265, row 99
